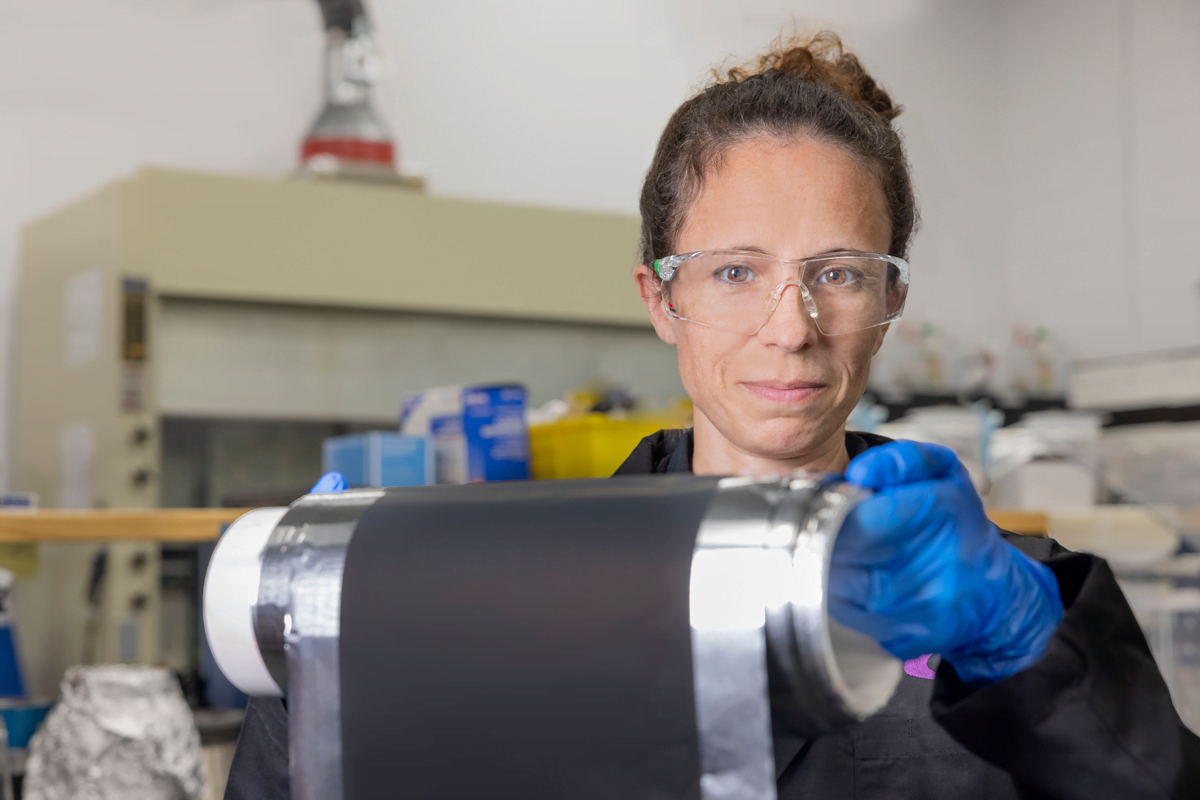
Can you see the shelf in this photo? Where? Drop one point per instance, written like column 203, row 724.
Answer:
column 160, row 525
column 1028, row 523
column 204, row 524
column 897, row 409
column 1153, row 381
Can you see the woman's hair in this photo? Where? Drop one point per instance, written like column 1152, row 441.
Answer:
column 801, row 87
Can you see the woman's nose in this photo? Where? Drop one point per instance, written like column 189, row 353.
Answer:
column 789, row 325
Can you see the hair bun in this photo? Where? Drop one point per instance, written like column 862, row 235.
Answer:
column 821, row 58
column 801, row 87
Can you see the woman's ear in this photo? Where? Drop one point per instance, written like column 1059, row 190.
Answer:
column 883, row 329
column 650, row 288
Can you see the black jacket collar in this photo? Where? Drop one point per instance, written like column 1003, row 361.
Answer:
column 671, row 451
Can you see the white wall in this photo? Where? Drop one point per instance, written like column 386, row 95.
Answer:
column 1101, row 111
column 1052, row 141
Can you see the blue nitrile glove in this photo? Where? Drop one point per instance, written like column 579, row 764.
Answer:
column 920, row 568
column 329, row 483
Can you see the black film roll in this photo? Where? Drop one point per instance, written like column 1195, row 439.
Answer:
column 533, row 637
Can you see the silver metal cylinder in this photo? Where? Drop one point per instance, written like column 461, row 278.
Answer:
column 763, row 643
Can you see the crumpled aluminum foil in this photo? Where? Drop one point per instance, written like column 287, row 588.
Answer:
column 120, row 731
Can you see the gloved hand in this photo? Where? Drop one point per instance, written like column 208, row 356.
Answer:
column 330, row 483
column 920, row 568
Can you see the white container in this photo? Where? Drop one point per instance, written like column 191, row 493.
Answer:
column 1044, row 486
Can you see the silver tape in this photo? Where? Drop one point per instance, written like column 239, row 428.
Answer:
column 732, row 564
column 297, row 622
column 759, row 583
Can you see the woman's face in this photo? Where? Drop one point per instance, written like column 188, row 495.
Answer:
column 784, row 393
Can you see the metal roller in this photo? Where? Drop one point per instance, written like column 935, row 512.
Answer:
column 631, row 636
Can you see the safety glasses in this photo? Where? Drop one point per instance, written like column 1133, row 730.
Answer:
column 736, row 291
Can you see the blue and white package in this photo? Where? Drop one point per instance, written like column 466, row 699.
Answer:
column 478, row 432
column 379, row 458
column 495, row 433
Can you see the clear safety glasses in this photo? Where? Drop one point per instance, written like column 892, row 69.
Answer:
column 738, row 291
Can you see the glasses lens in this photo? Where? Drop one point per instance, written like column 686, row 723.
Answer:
column 725, row 291
column 852, row 292
column 736, row 292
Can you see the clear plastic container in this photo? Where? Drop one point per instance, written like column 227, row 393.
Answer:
column 965, row 429
column 1168, row 609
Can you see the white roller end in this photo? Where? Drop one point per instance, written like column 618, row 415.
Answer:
column 230, row 593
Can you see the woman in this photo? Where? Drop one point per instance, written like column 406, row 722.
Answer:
column 776, row 216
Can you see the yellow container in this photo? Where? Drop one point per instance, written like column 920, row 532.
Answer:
column 591, row 446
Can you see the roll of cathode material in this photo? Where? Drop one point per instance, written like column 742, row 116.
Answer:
column 574, row 594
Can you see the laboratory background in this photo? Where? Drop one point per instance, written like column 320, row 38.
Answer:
column 244, row 243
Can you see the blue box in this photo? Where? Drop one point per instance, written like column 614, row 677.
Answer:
column 478, row 432
column 379, row 458
column 22, row 718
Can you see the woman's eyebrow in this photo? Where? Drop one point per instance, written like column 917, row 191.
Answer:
column 750, row 248
column 834, row 251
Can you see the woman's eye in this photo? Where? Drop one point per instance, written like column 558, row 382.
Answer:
column 735, row 273
column 838, row 276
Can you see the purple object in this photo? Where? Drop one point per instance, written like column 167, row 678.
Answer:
column 919, row 667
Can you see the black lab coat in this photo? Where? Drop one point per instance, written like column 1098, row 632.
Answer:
column 1091, row 719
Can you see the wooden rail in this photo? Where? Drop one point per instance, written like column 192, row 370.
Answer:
column 1029, row 523
column 204, row 524
column 154, row 524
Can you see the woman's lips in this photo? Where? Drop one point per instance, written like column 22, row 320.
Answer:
column 784, row 392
